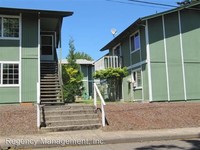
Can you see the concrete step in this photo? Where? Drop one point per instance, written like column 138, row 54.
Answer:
column 51, row 103
column 72, row 127
column 71, row 122
column 69, row 107
column 70, row 117
column 67, row 112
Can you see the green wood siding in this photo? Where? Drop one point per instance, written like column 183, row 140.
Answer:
column 156, row 40
column 135, row 57
column 192, row 74
column 159, row 82
column 29, row 36
column 143, row 44
column 29, row 58
column 138, row 94
column 191, row 44
column 175, row 73
column 127, row 89
column 191, row 32
column 9, row 50
column 9, row 95
column 29, row 80
column 145, row 82
column 125, row 50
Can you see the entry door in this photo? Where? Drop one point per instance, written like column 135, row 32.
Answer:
column 47, row 47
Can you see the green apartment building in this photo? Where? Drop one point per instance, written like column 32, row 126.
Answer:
column 29, row 41
column 162, row 54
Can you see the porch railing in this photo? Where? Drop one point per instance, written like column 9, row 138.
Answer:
column 96, row 91
column 108, row 62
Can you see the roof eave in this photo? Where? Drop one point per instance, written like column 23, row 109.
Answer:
column 116, row 40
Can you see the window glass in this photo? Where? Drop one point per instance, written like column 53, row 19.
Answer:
column 10, row 27
column 10, row 73
column 137, row 78
column 135, row 42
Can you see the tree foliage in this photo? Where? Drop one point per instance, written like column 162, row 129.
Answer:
column 111, row 73
column 72, row 77
column 114, row 78
column 82, row 55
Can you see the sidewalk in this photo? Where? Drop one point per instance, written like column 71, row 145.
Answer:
column 89, row 137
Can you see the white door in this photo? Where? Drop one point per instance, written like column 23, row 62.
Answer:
column 47, row 47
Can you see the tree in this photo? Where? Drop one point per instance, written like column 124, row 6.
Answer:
column 82, row 55
column 72, row 77
column 114, row 78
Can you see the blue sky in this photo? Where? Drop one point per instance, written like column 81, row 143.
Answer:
column 92, row 20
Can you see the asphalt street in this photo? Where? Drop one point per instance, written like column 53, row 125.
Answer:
column 189, row 144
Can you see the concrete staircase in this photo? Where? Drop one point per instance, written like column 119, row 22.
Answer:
column 69, row 117
column 50, row 88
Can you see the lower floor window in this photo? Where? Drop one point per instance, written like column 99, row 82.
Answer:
column 9, row 74
column 137, row 79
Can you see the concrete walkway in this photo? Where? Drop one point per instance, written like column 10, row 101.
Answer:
column 95, row 137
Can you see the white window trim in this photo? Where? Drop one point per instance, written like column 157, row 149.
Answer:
column 137, row 87
column 9, row 38
column 135, row 50
column 1, row 76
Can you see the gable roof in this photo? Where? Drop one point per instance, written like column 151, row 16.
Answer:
column 139, row 21
column 43, row 13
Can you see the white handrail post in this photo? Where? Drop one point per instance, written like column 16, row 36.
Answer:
column 96, row 91
column 103, row 115
column 95, row 96
column 38, row 105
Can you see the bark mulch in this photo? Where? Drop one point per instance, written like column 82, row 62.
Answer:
column 17, row 120
column 143, row 116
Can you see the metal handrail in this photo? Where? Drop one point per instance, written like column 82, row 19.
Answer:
column 96, row 91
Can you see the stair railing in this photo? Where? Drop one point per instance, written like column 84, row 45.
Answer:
column 38, row 106
column 97, row 91
column 60, row 76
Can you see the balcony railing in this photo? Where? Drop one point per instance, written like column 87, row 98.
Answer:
column 108, row 62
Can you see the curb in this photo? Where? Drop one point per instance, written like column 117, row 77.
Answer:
column 106, row 141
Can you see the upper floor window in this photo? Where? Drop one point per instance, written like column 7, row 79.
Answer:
column 9, row 27
column 135, row 42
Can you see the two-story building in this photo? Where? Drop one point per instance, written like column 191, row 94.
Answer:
column 29, row 68
column 162, row 54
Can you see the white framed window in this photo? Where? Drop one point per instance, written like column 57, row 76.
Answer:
column 135, row 42
column 137, row 78
column 9, row 74
column 9, row 27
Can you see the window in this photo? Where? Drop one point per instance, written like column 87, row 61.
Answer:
column 46, row 44
column 9, row 27
column 135, row 42
column 9, row 74
column 137, row 79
